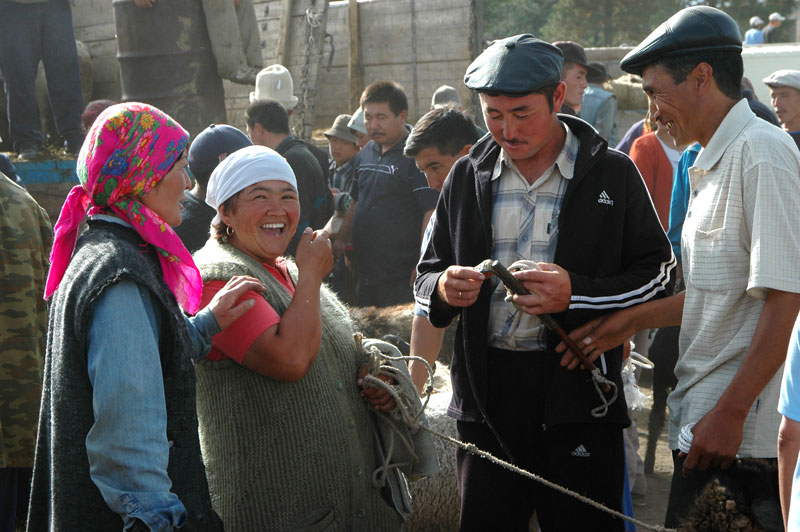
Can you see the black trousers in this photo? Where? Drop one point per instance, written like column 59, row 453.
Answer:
column 752, row 481
column 15, row 492
column 29, row 33
column 587, row 458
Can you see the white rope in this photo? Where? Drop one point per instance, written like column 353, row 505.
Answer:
column 403, row 412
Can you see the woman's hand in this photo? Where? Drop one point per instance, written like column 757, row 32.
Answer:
column 223, row 306
column 379, row 399
column 314, row 254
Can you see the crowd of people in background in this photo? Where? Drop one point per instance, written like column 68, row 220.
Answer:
column 200, row 367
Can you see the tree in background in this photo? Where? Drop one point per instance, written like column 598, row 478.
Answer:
column 610, row 22
column 503, row 18
column 606, row 22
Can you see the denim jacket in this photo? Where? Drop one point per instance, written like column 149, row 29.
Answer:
column 128, row 457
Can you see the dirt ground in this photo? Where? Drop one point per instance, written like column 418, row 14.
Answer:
column 652, row 507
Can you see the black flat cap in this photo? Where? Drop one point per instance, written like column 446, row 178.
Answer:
column 515, row 66
column 574, row 53
column 694, row 29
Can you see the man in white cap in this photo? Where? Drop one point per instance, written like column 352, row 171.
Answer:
column 359, row 128
column 784, row 91
column 275, row 83
column 775, row 21
column 754, row 34
column 446, row 96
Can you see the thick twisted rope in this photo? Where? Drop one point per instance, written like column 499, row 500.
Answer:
column 405, row 410
column 410, row 416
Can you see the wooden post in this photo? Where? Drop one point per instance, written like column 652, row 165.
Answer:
column 475, row 49
column 354, row 70
column 283, row 37
column 414, row 107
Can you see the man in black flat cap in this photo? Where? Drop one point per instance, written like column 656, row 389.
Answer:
column 740, row 248
column 574, row 74
column 542, row 187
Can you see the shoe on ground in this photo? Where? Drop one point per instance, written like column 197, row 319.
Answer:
column 28, row 153
column 73, row 146
column 245, row 76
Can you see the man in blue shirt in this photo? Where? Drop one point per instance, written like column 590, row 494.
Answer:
column 599, row 106
column 391, row 203
column 754, row 35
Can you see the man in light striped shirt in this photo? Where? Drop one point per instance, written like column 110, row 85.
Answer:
column 741, row 251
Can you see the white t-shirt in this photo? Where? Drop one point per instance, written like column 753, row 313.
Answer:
column 673, row 154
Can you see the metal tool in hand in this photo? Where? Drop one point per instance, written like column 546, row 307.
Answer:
column 512, row 283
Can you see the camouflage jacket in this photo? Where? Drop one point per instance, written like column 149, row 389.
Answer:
column 26, row 237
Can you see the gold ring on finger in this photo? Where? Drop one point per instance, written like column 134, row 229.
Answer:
column 459, row 294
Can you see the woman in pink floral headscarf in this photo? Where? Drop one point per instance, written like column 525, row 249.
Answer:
column 118, row 445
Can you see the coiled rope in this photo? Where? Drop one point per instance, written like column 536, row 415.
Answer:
column 405, row 412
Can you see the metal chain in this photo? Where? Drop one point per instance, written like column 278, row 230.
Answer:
column 306, row 107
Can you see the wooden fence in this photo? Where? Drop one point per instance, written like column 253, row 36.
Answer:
column 421, row 44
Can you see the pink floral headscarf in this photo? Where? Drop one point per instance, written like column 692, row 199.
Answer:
column 127, row 151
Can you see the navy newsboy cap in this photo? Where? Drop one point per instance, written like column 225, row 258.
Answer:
column 694, row 29
column 515, row 66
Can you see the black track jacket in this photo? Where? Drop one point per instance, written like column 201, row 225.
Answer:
column 610, row 241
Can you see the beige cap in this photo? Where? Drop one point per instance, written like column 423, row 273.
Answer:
column 783, row 78
column 275, row 83
column 357, row 122
column 445, row 96
column 340, row 130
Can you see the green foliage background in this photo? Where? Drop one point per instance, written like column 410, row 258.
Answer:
column 611, row 22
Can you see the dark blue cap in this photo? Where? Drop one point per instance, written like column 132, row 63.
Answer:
column 515, row 66
column 690, row 30
column 212, row 145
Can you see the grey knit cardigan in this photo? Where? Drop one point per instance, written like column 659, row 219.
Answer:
column 289, row 456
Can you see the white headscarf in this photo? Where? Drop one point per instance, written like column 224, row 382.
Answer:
column 244, row 167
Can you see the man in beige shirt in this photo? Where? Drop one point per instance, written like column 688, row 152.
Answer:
column 741, row 252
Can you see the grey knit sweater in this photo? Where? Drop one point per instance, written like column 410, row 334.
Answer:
column 289, row 456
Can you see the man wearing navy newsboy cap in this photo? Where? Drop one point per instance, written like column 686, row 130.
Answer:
column 543, row 187
column 740, row 247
